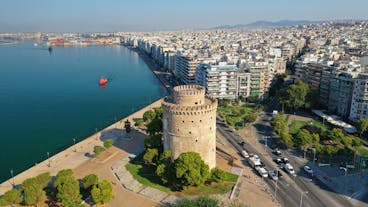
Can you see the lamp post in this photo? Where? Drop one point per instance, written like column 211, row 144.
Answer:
column 12, row 174
column 266, row 143
column 96, row 132
column 75, row 148
column 314, row 155
column 277, row 175
column 48, row 158
column 301, row 197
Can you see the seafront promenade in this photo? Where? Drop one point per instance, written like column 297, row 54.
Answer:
column 75, row 155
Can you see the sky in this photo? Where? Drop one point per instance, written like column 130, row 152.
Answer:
column 154, row 15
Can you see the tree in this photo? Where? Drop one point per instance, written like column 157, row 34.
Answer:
column 33, row 194
column 148, row 115
column 43, row 179
column 286, row 138
column 279, row 123
column 102, row 192
column 217, row 175
column 68, row 192
column 165, row 157
column 108, row 143
column 362, row 125
column 11, row 197
column 61, row 175
column 252, row 117
column 153, row 142
column 89, row 180
column 155, row 126
column 190, row 169
column 304, row 139
column 32, row 191
column 150, row 156
column 294, row 96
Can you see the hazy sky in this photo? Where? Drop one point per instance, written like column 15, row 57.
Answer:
column 145, row 15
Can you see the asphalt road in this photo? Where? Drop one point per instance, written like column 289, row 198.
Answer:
column 289, row 188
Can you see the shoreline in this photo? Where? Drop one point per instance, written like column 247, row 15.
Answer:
column 74, row 155
column 163, row 77
column 86, row 145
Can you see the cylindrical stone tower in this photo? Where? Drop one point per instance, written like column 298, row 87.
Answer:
column 189, row 123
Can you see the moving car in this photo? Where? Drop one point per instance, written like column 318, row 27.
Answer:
column 278, row 161
column 285, row 160
column 273, row 175
column 277, row 152
column 289, row 169
column 262, row 172
column 245, row 154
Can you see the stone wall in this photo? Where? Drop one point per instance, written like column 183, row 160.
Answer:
column 190, row 127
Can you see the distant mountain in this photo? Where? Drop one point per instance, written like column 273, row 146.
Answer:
column 267, row 24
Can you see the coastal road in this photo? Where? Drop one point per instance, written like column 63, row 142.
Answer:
column 289, row 188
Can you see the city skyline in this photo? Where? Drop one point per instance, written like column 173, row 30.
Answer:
column 141, row 15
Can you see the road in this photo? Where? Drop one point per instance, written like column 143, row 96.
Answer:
column 289, row 188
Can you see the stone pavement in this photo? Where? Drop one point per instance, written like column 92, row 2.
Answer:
column 128, row 182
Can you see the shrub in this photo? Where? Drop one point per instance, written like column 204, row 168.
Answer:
column 218, row 175
column 108, row 143
column 98, row 150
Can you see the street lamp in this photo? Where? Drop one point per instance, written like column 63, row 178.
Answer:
column 96, row 132
column 314, row 155
column 48, row 158
column 277, row 175
column 11, row 172
column 75, row 148
column 266, row 143
column 301, row 197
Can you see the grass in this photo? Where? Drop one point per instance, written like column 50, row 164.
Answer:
column 146, row 175
column 295, row 126
column 363, row 151
column 234, row 114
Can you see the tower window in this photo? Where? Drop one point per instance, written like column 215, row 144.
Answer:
column 190, row 132
column 196, row 103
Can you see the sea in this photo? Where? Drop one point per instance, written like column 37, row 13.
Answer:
column 48, row 98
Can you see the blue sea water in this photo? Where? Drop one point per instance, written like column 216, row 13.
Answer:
column 49, row 98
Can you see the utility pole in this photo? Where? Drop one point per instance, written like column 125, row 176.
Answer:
column 11, row 172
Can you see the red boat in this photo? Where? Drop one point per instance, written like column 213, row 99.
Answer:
column 103, row 81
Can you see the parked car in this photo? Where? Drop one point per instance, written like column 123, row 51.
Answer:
column 285, row 160
column 308, row 170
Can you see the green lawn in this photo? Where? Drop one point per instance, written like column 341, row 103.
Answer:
column 146, row 175
column 234, row 115
column 295, row 126
column 363, row 151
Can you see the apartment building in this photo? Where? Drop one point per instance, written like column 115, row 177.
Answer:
column 220, row 80
column 359, row 104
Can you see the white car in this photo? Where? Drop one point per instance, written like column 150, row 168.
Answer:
column 245, row 154
column 273, row 175
column 308, row 170
column 289, row 168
